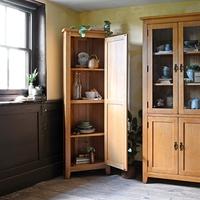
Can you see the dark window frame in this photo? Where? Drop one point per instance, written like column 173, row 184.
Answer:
column 36, row 26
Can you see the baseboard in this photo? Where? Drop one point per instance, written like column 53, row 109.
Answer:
column 30, row 178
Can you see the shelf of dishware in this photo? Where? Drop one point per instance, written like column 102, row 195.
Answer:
column 163, row 53
column 163, row 84
column 192, row 52
column 87, row 135
column 192, row 84
column 87, row 101
column 89, row 166
column 87, row 69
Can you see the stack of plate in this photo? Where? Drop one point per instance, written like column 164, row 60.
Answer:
column 85, row 127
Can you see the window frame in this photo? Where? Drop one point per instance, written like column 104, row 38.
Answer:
column 35, row 43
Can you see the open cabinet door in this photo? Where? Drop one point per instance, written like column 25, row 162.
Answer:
column 116, row 101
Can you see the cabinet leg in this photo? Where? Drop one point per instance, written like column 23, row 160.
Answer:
column 108, row 170
column 144, row 179
column 67, row 175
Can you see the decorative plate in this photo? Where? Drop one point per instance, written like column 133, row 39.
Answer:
column 83, row 58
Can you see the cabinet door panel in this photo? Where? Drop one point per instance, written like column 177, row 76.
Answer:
column 162, row 68
column 189, row 56
column 116, row 101
column 190, row 151
column 162, row 136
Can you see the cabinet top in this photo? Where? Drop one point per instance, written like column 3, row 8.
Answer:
column 90, row 33
column 172, row 18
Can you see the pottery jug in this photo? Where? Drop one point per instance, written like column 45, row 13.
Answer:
column 194, row 103
column 93, row 62
column 190, row 74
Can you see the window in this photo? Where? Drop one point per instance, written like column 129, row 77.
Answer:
column 15, row 50
column 22, row 45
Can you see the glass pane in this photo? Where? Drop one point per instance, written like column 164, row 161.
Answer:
column 2, row 24
column 162, row 60
column 16, row 28
column 17, row 69
column 192, row 67
column 3, row 68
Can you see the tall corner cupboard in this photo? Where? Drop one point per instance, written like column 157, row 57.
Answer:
column 171, row 97
column 106, row 115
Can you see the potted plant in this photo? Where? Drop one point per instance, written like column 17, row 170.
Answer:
column 31, row 79
column 91, row 151
column 134, row 141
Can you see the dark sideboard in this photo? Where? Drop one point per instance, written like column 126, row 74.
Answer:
column 31, row 143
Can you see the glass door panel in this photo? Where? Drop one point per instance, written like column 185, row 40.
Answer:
column 191, row 67
column 163, row 79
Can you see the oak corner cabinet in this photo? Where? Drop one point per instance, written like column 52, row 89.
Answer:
column 171, row 97
column 95, row 123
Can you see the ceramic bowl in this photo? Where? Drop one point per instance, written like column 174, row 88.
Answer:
column 90, row 94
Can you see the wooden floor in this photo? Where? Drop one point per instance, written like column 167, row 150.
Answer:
column 104, row 188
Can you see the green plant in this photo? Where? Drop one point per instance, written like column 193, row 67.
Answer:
column 91, row 149
column 134, row 135
column 82, row 29
column 32, row 77
column 194, row 67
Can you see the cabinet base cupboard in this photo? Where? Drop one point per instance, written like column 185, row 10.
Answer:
column 171, row 97
column 95, row 125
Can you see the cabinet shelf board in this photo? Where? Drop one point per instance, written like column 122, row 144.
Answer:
column 87, row 135
column 192, row 84
column 192, row 53
column 163, row 54
column 163, row 84
column 87, row 69
column 87, row 101
column 85, row 167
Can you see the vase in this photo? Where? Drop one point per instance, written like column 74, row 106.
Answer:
column 91, row 157
column 30, row 89
column 190, row 74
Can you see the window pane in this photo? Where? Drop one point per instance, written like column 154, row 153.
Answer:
column 2, row 24
column 3, row 68
column 16, row 28
column 17, row 69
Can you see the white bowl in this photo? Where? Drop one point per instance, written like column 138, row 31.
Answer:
column 90, row 94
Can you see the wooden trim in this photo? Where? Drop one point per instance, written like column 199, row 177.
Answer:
column 174, row 177
column 144, row 93
column 174, row 18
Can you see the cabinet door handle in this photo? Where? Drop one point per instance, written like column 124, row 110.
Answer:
column 175, row 145
column 182, row 147
column 181, row 68
column 175, row 67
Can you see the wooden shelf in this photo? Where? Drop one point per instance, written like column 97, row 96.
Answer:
column 163, row 54
column 163, row 84
column 192, row 53
column 85, row 167
column 87, row 135
column 85, row 101
column 192, row 84
column 87, row 69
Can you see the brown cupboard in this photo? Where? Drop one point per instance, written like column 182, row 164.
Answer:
column 107, row 115
column 171, row 97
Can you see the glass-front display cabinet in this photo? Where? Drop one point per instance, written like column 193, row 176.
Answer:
column 162, row 68
column 174, row 68
column 189, row 78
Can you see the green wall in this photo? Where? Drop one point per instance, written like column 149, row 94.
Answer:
column 127, row 20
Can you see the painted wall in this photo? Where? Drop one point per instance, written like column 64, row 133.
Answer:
column 127, row 20
column 57, row 17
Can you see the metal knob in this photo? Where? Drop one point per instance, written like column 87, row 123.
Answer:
column 175, row 145
column 175, row 67
column 181, row 68
column 182, row 147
